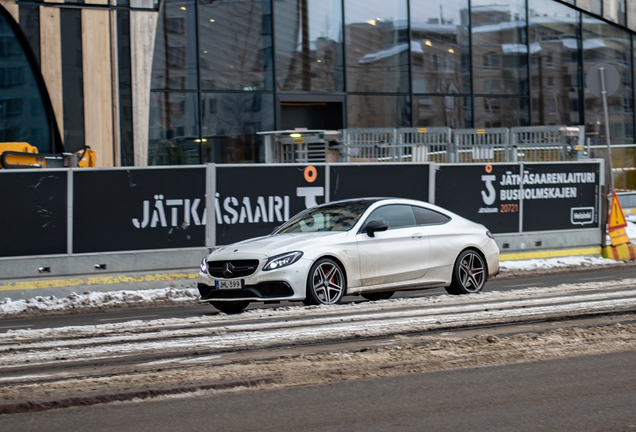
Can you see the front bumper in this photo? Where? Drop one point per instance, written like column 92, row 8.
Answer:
column 264, row 291
column 286, row 283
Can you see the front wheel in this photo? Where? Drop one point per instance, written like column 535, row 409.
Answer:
column 232, row 307
column 325, row 283
column 374, row 296
column 469, row 273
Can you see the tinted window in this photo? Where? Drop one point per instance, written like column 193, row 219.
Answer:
column 429, row 217
column 330, row 217
column 395, row 216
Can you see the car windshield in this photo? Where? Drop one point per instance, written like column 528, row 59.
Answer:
column 331, row 217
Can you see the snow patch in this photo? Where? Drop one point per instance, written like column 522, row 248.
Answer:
column 98, row 300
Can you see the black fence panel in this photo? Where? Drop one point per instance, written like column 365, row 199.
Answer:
column 253, row 200
column 384, row 180
column 561, row 196
column 34, row 213
column 480, row 193
column 120, row 210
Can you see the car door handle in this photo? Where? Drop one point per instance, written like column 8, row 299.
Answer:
column 417, row 235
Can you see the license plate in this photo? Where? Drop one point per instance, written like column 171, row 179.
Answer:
column 230, row 284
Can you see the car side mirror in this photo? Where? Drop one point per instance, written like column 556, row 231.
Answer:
column 375, row 225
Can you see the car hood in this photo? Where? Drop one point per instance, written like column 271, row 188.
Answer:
column 272, row 245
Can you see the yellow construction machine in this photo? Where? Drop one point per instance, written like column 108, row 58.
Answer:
column 24, row 155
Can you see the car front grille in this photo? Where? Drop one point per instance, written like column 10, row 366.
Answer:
column 232, row 269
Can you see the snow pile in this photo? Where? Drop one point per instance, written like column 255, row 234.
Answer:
column 550, row 263
column 98, row 300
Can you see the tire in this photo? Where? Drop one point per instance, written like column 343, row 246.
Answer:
column 326, row 283
column 469, row 273
column 374, row 296
column 232, row 307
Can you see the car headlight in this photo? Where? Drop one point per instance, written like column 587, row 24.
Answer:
column 282, row 260
column 204, row 265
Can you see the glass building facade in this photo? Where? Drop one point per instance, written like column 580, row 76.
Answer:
column 225, row 69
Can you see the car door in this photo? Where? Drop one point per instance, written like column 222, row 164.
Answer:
column 442, row 239
column 401, row 253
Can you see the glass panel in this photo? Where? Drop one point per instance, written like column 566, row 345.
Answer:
column 378, row 111
column 22, row 114
column 377, row 46
column 175, row 63
column 440, row 46
column 451, row 111
column 309, row 45
column 614, row 10
column 606, row 43
column 631, row 15
column 593, row 6
column 174, row 132
column 235, row 45
column 230, row 123
column 31, row 14
column 499, row 47
column 126, row 145
column 72, row 79
column 554, row 63
column 495, row 112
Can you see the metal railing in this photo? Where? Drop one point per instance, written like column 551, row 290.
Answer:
column 370, row 145
column 426, row 144
column 546, row 143
column 480, row 145
column 439, row 145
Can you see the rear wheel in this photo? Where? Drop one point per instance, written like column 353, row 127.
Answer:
column 325, row 283
column 232, row 307
column 469, row 273
column 373, row 296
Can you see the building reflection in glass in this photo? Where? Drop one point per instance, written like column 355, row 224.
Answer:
column 377, row 46
column 235, row 45
column 451, row 111
column 604, row 43
column 174, row 131
column 230, row 123
column 309, row 45
column 496, row 112
column 378, row 111
column 440, row 46
column 555, row 82
column 499, row 47
column 175, row 58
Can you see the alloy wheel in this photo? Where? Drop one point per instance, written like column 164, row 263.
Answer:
column 328, row 282
column 472, row 272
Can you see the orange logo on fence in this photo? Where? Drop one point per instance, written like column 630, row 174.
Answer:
column 310, row 174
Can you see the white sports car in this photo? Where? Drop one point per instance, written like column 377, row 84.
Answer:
column 367, row 246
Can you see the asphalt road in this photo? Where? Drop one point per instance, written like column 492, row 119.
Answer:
column 496, row 284
column 591, row 393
